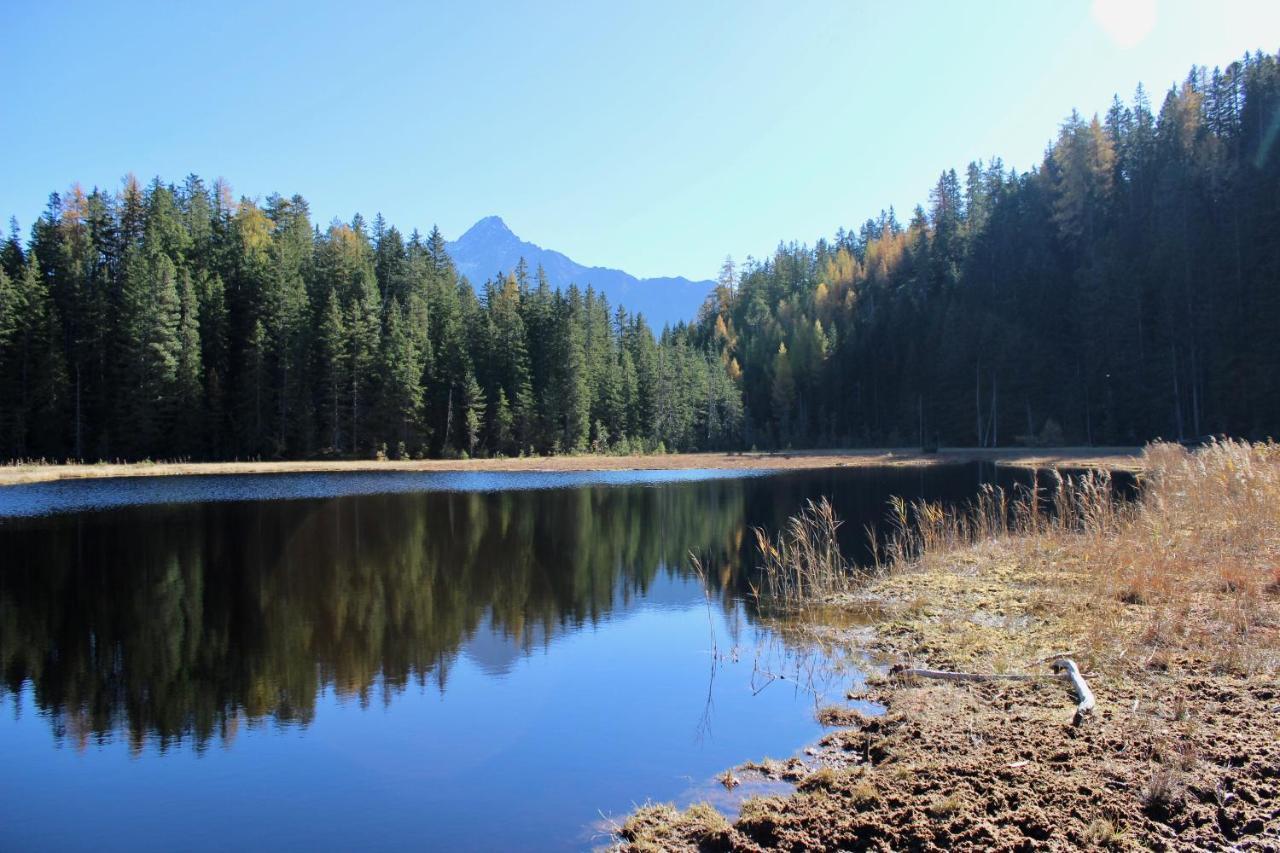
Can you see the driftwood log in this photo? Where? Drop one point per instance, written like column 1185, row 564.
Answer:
column 1064, row 669
column 1067, row 669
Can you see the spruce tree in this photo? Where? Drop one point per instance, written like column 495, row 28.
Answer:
column 189, row 373
column 503, row 425
column 43, row 393
column 331, row 367
column 153, row 310
column 473, row 407
column 400, row 372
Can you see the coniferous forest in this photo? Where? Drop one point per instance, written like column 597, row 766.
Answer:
column 168, row 321
column 1128, row 287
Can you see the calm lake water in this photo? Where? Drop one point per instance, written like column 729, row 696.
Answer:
column 439, row 661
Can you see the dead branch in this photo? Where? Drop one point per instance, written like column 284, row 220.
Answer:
column 947, row 675
column 1064, row 669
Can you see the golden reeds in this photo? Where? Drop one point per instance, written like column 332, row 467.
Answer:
column 1198, row 549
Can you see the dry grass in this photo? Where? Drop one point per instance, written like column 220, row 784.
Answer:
column 944, row 806
column 803, row 564
column 1101, row 832
column 1202, row 553
column 663, row 827
column 1194, row 562
column 1170, row 604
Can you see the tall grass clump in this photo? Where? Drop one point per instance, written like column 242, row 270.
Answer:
column 803, row 563
column 1201, row 555
column 1081, row 504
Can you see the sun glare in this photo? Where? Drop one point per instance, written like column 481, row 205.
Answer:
column 1126, row 22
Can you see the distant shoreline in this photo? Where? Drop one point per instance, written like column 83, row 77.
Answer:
column 1115, row 458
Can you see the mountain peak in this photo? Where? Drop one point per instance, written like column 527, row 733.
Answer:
column 489, row 248
column 489, row 227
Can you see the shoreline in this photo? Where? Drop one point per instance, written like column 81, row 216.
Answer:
column 1177, row 634
column 1113, row 458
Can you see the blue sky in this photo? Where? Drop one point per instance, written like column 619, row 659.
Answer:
column 655, row 137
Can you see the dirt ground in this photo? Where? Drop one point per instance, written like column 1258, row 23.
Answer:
column 1113, row 458
column 1182, row 751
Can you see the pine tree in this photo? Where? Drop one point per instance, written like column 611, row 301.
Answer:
column 12, row 310
column 503, row 425
column 152, row 306
column 473, row 411
column 573, row 391
column 254, row 387
column 331, row 366
column 361, row 348
column 784, row 393
column 400, row 373
column 189, row 372
column 215, row 357
column 42, row 371
column 9, row 310
column 441, row 265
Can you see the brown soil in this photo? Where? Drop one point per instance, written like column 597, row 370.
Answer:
column 1113, row 458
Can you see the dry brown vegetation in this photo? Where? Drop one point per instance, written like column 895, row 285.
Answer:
column 1171, row 605
column 803, row 563
column 40, row 470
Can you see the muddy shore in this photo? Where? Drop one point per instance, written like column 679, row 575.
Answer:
column 1173, row 614
column 1179, row 754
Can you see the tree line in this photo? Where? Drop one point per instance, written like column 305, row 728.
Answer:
column 169, row 321
column 1126, row 288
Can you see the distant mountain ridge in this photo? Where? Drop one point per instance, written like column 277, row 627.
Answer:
column 489, row 248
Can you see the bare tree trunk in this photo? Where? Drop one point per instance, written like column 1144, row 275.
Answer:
column 355, row 412
column 995, row 411
column 284, row 405
column 710, row 405
column 1177, row 394
column 977, row 401
column 1195, row 396
column 920, row 404
column 1088, row 414
column 79, row 453
column 448, row 416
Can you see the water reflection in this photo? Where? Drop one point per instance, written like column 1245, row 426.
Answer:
column 370, row 653
column 182, row 621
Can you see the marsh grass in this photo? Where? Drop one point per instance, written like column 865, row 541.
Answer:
column 659, row 827
column 941, row 806
column 803, row 563
column 1192, row 562
column 1102, row 832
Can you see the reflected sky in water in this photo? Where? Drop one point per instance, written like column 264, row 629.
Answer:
column 62, row 496
column 450, row 661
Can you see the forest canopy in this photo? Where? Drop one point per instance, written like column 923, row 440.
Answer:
column 171, row 321
column 1127, row 287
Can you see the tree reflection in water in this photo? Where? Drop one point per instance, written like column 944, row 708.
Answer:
column 180, row 623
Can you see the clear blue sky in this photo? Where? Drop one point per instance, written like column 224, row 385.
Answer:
column 653, row 136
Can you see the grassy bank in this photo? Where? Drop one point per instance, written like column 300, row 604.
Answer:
column 1171, row 606
column 1128, row 458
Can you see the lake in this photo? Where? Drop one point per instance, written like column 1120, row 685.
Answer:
column 445, row 661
